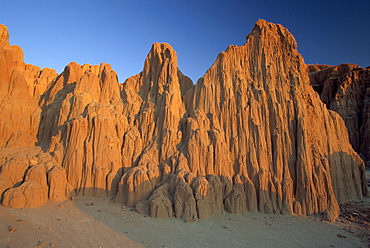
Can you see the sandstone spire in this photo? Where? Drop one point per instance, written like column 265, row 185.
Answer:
column 4, row 36
column 19, row 112
column 258, row 121
column 154, row 105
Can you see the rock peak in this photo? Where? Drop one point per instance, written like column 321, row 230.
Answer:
column 264, row 30
column 161, row 46
column 261, row 22
column 159, row 54
column 4, row 36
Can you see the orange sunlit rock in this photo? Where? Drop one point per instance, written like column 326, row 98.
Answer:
column 251, row 135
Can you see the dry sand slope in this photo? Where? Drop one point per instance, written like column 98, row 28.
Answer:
column 98, row 222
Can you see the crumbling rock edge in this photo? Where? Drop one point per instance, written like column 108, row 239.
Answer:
column 345, row 89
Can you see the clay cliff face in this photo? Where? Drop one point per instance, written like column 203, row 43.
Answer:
column 346, row 90
column 19, row 111
column 251, row 135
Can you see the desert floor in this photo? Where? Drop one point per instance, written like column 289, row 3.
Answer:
column 98, row 222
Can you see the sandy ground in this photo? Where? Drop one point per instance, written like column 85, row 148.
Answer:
column 98, row 222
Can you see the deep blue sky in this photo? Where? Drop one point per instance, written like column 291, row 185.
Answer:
column 53, row 33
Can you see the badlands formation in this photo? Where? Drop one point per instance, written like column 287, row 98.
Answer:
column 251, row 135
column 346, row 90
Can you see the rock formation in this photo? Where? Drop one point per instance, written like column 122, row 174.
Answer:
column 346, row 90
column 251, row 135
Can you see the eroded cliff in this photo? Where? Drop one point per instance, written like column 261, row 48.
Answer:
column 346, row 90
column 251, row 135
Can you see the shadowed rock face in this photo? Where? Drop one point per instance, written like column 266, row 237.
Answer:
column 251, row 135
column 346, row 90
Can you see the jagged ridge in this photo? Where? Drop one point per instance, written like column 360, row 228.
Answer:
column 251, row 135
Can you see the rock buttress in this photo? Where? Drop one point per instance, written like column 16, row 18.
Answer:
column 255, row 119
